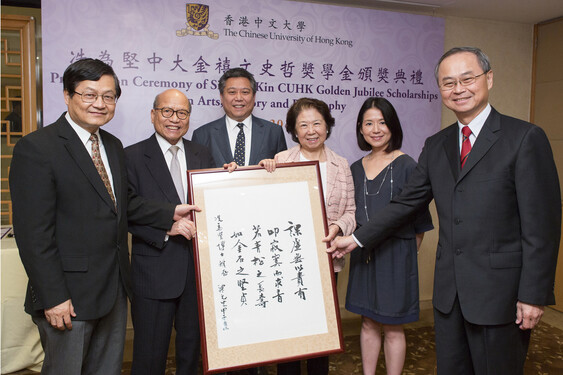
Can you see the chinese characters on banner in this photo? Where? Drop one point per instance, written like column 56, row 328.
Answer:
column 337, row 54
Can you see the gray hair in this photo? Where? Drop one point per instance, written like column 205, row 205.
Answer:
column 481, row 57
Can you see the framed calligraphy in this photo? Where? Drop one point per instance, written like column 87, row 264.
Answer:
column 266, row 289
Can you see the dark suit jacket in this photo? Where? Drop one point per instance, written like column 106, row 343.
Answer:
column 500, row 218
column 72, row 242
column 267, row 140
column 159, row 268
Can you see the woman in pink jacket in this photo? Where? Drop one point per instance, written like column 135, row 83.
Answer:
column 309, row 122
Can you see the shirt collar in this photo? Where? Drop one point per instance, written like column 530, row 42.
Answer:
column 232, row 124
column 82, row 133
column 165, row 145
column 477, row 123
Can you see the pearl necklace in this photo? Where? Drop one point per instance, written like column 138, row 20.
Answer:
column 366, row 194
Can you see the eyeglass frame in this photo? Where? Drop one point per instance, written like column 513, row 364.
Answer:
column 97, row 95
column 174, row 112
column 472, row 80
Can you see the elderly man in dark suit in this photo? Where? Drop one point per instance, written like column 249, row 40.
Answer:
column 163, row 268
column 239, row 136
column 71, row 204
column 497, row 194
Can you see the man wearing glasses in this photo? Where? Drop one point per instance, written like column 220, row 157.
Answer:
column 163, row 271
column 71, row 204
column 497, row 194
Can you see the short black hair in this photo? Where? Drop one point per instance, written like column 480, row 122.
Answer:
column 391, row 120
column 306, row 103
column 87, row 70
column 236, row 73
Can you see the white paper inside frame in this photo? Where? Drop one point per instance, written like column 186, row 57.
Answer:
column 265, row 274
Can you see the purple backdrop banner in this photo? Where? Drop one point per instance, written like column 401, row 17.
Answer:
column 337, row 54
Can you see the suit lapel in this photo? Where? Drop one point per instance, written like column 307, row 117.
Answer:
column 221, row 136
column 191, row 156
column 258, row 139
column 156, row 165
column 78, row 152
column 331, row 169
column 192, row 162
column 115, row 167
column 486, row 139
column 451, row 146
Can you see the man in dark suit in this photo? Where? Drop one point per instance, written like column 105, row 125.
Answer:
column 261, row 139
column 71, row 204
column 163, row 268
column 497, row 194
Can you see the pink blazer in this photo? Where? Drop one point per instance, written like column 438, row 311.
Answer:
column 340, row 204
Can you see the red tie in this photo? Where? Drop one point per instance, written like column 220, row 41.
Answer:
column 465, row 145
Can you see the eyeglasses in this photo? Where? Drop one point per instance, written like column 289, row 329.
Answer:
column 465, row 81
column 169, row 112
column 90, row 97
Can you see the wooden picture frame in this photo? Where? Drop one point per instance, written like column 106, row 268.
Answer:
column 266, row 289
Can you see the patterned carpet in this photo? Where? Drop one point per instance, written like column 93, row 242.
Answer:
column 545, row 356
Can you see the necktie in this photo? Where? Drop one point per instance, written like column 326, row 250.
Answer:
column 239, row 146
column 97, row 159
column 465, row 145
column 176, row 173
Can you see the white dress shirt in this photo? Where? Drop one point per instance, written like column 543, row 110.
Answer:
column 84, row 136
column 475, row 125
column 233, row 130
column 165, row 148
